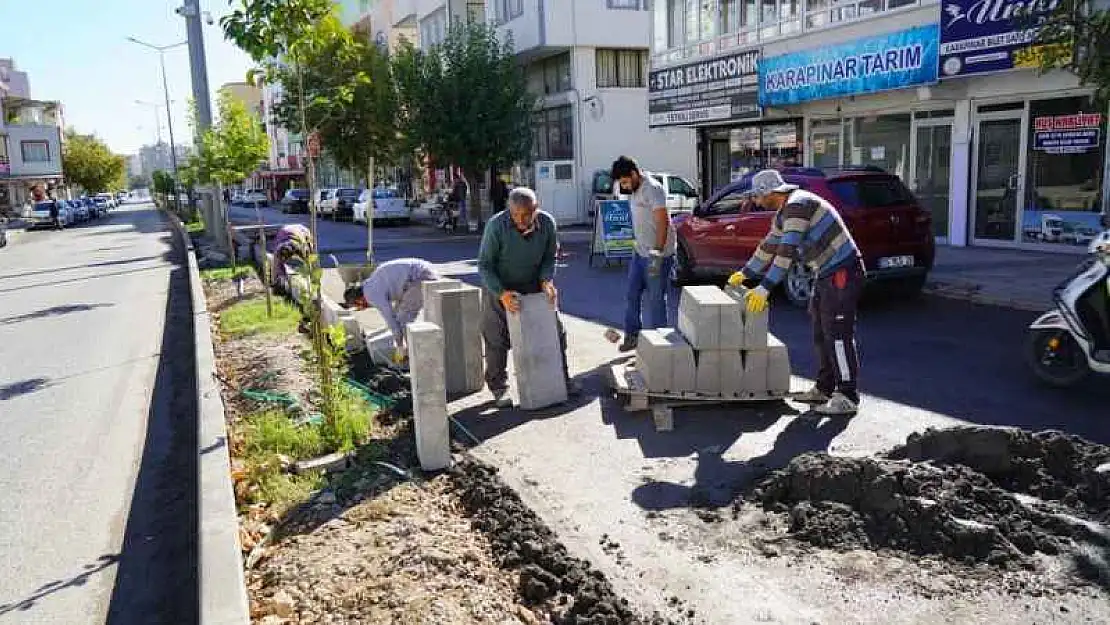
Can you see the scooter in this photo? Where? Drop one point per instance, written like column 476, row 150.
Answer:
column 1064, row 345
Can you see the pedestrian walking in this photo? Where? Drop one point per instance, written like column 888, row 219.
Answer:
column 516, row 257
column 649, row 269
column 808, row 227
column 395, row 288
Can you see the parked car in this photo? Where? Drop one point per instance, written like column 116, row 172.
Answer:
column 343, row 203
column 253, row 198
column 682, row 195
column 387, row 206
column 81, row 213
column 295, row 201
column 893, row 231
column 101, row 205
column 325, row 201
column 38, row 215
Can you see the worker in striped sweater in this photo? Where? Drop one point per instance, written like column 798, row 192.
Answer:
column 808, row 228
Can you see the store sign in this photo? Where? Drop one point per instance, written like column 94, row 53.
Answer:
column 981, row 36
column 1067, row 134
column 891, row 61
column 721, row 88
column 613, row 235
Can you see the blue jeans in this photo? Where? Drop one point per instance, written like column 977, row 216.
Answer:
column 657, row 288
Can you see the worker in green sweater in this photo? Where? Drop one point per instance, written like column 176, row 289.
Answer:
column 517, row 257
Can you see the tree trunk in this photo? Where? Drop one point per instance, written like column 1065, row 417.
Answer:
column 370, row 213
column 473, row 197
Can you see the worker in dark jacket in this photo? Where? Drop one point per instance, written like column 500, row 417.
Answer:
column 516, row 257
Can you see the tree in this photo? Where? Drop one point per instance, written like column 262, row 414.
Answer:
column 89, row 164
column 465, row 102
column 233, row 148
column 162, row 183
column 138, row 182
column 1075, row 38
column 281, row 35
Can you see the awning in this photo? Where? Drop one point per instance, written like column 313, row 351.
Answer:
column 282, row 173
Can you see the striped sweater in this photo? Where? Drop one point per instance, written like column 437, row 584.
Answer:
column 806, row 227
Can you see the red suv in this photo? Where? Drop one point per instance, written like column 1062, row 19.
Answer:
column 893, row 232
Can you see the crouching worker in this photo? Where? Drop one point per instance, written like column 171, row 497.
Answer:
column 292, row 245
column 516, row 257
column 395, row 289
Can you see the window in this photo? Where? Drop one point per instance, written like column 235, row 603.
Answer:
column 505, row 10
column 621, row 68
column 553, row 133
column 872, row 193
column 730, row 204
column 556, row 74
column 35, row 151
column 635, row 5
column 678, row 186
column 701, row 20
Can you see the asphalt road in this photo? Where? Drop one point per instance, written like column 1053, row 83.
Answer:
column 98, row 494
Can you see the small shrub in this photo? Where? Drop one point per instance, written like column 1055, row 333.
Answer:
column 272, row 432
column 219, row 274
column 249, row 317
column 350, row 423
column 283, row 490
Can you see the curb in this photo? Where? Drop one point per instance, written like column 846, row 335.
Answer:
column 970, row 293
column 222, row 588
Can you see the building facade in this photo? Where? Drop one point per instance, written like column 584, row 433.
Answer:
column 944, row 94
column 587, row 63
column 13, row 83
column 30, row 149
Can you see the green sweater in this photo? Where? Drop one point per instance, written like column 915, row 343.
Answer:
column 510, row 261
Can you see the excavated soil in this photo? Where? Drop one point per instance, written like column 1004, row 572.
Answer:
column 973, row 495
column 566, row 589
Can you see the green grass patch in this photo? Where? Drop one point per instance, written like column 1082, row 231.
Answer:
column 273, row 432
column 194, row 227
column 217, row 274
column 249, row 318
column 284, row 490
column 352, row 422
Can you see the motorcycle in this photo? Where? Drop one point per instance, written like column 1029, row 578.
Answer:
column 1064, row 345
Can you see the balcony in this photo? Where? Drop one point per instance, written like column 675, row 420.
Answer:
column 787, row 19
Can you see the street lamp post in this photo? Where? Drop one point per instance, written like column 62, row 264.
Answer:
column 157, row 123
column 161, row 50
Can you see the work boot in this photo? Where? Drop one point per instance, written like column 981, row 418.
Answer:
column 629, row 344
column 501, row 399
column 837, row 406
column 812, row 396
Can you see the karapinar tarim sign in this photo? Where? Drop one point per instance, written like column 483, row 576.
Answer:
column 889, row 61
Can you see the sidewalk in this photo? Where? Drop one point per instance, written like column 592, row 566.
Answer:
column 1019, row 279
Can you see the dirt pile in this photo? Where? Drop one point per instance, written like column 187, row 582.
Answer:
column 394, row 385
column 574, row 592
column 969, row 494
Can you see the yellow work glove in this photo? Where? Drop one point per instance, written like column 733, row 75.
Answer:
column 736, row 280
column 756, row 299
column 398, row 356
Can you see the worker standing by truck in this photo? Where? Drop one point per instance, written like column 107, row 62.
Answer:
column 808, row 227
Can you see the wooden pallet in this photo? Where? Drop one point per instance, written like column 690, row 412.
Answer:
column 629, row 383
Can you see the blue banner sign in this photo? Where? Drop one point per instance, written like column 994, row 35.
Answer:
column 982, row 36
column 613, row 236
column 889, row 61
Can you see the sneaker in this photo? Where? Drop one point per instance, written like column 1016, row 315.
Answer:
column 837, row 406
column 629, row 343
column 812, row 396
column 501, row 399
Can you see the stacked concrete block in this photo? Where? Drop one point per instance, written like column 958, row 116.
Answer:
column 666, row 361
column 720, row 372
column 333, row 314
column 767, row 370
column 431, row 304
column 710, row 319
column 537, row 355
column 429, row 395
column 458, row 312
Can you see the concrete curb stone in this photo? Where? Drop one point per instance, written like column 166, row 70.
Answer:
column 222, row 587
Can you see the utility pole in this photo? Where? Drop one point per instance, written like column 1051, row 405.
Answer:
column 198, row 66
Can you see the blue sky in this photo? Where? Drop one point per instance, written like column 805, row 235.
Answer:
column 76, row 51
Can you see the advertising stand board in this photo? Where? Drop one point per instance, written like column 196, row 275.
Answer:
column 613, row 238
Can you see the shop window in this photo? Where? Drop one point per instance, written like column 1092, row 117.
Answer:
column 882, row 141
column 1064, row 166
column 556, row 74
column 621, row 68
column 35, row 151
column 737, row 152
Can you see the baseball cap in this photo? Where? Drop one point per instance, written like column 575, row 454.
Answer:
column 770, row 181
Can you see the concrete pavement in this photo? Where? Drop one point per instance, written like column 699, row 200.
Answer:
column 1020, row 279
column 97, row 457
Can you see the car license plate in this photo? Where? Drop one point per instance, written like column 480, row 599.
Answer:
column 893, row 262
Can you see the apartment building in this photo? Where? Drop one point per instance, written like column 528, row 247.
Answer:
column 587, row 63
column 944, row 94
column 30, row 148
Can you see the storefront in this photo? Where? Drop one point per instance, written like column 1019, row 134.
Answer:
column 726, row 153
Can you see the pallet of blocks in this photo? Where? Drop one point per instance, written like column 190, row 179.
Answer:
column 719, row 353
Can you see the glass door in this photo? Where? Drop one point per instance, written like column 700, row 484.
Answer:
column 930, row 176
column 998, row 183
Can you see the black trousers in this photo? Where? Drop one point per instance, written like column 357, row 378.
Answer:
column 495, row 335
column 833, row 312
